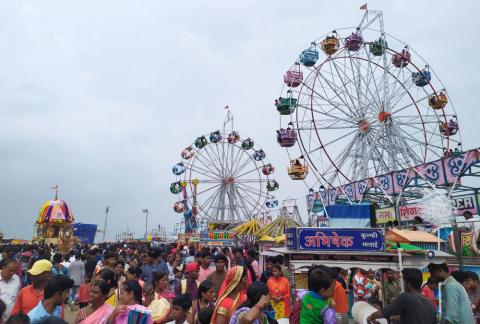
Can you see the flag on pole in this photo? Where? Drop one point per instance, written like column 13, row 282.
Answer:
column 226, row 107
column 55, row 187
column 364, row 7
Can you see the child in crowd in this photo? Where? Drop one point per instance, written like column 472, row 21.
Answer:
column 83, row 295
column 316, row 307
column 180, row 308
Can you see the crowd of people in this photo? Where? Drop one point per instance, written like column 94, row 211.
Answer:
column 144, row 283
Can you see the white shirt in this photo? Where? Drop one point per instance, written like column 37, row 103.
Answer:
column 8, row 293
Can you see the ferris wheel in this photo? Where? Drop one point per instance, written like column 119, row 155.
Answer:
column 223, row 177
column 359, row 103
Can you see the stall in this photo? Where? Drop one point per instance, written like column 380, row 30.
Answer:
column 346, row 249
column 217, row 238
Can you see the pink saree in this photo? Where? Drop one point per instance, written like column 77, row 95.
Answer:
column 99, row 316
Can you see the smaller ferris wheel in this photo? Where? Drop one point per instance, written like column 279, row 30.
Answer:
column 223, row 177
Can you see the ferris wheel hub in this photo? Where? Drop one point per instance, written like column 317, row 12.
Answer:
column 384, row 116
column 228, row 180
column 363, row 126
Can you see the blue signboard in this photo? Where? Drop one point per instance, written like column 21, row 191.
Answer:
column 85, row 232
column 340, row 239
column 291, row 235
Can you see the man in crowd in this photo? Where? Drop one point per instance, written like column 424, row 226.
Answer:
column 392, row 288
column 171, row 266
column 56, row 294
column 189, row 285
column 31, row 295
column 91, row 262
column 239, row 257
column 268, row 269
column 456, row 307
column 411, row 306
column 76, row 271
column 152, row 263
column 9, row 285
column 205, row 269
column 251, row 258
column 219, row 274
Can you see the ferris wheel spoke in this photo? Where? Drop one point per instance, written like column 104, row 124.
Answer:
column 202, row 171
column 342, row 157
column 422, row 143
column 240, row 203
column 344, row 84
column 326, row 99
column 372, row 78
column 251, row 180
column 328, row 124
column 235, row 159
column 247, row 200
column 256, row 168
column 406, row 148
column 339, row 138
column 335, row 89
column 253, row 193
column 255, row 190
column 207, row 190
column 329, row 115
column 245, row 163
column 208, row 203
column 413, row 103
column 208, row 162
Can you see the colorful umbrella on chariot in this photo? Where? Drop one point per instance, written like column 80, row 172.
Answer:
column 55, row 212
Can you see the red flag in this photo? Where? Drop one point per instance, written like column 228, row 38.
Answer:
column 364, row 7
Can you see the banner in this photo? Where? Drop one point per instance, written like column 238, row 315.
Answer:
column 409, row 212
column 385, row 215
column 340, row 239
column 464, row 203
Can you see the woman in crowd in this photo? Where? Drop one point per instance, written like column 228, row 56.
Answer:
column 135, row 274
column 97, row 311
column 130, row 305
column 231, row 294
column 120, row 272
column 206, row 294
column 279, row 288
column 160, row 285
column 159, row 307
column 109, row 276
column 251, row 311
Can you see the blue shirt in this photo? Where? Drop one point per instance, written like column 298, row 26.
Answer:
column 40, row 312
column 148, row 269
column 455, row 303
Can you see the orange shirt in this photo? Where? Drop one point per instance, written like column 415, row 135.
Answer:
column 27, row 299
column 84, row 293
column 340, row 298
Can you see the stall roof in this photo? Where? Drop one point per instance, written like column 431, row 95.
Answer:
column 408, row 261
column 397, row 235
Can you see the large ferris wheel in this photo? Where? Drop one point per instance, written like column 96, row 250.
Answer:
column 359, row 103
column 223, row 177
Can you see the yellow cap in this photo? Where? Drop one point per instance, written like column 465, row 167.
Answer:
column 39, row 267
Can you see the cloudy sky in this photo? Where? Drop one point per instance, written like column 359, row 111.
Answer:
column 100, row 97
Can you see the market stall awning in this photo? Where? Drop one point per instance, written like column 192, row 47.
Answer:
column 302, row 260
column 404, row 236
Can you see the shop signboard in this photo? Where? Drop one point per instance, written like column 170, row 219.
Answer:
column 339, row 239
